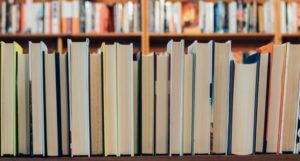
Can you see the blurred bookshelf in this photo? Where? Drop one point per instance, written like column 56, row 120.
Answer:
column 146, row 41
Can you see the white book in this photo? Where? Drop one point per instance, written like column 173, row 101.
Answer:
column 78, row 62
column 177, row 17
column 97, row 17
column 88, row 16
column 125, row 99
column 3, row 17
column 55, row 17
column 209, row 16
column 118, row 17
column 202, row 107
column 201, row 17
column 156, row 16
column 36, row 68
column 162, row 16
column 283, row 16
column 162, row 104
column 47, row 17
column 232, row 16
column 110, row 99
column 176, row 51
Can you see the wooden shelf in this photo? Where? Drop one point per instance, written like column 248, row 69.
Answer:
column 215, row 36
column 268, row 157
column 87, row 35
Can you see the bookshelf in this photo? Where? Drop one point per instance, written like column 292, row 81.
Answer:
column 147, row 42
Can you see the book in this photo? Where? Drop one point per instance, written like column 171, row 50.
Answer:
column 243, row 112
column 110, row 99
column 37, row 52
column 148, row 103
column 176, row 51
column 262, row 101
column 96, row 107
column 78, row 71
column 290, row 100
column 276, row 94
column 75, row 17
column 66, row 17
column 189, row 17
column 220, row 107
column 202, row 102
column 9, row 53
column 125, row 99
column 162, row 103
column 64, row 104
column 52, row 104
column 55, row 28
column 188, row 105
column 137, row 101
column 23, row 112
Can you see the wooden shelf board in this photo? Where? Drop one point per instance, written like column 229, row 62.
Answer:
column 211, row 35
column 259, row 157
column 88, row 35
column 238, row 37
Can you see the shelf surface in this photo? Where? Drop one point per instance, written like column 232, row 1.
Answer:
column 259, row 157
column 70, row 35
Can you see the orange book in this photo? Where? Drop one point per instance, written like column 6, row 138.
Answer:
column 75, row 17
column 66, row 17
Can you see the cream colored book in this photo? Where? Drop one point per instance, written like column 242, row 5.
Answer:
column 162, row 104
column 136, row 99
column 262, row 100
column 176, row 51
column 202, row 106
column 243, row 108
column 275, row 109
column 52, row 104
column 188, row 103
column 64, row 105
column 36, row 64
column 221, row 97
column 110, row 99
column 96, row 103
column 23, row 104
column 291, row 98
column 78, row 59
column 148, row 104
column 125, row 99
column 9, row 53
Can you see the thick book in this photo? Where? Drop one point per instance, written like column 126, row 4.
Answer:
column 176, row 51
column 37, row 52
column 162, row 103
column 78, row 63
column 96, row 107
column 23, row 104
column 125, row 99
column 64, row 104
column 243, row 110
column 52, row 104
column 275, row 102
column 188, row 99
column 202, row 102
column 262, row 101
column 291, row 98
column 110, row 99
column 221, row 74
column 9, row 53
column 148, row 104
